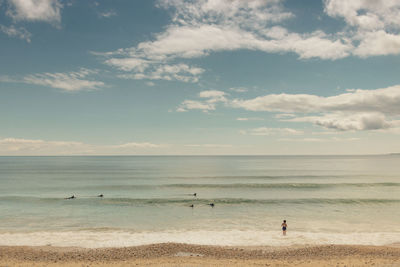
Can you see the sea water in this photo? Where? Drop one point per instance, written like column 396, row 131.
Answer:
column 147, row 199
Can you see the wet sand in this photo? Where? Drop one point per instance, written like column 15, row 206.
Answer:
column 171, row 254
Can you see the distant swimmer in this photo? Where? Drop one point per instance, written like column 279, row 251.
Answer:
column 101, row 195
column 284, row 227
column 195, row 194
column 211, row 205
column 71, row 197
column 192, row 206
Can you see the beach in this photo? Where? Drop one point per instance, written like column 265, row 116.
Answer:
column 341, row 211
column 174, row 254
column 200, row 133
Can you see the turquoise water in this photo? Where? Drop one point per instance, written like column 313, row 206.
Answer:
column 325, row 199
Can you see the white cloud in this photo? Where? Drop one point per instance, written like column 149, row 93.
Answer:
column 129, row 64
column 29, row 146
column 333, row 139
column 238, row 89
column 356, row 110
column 70, row 81
column 213, row 97
column 196, row 37
column 212, row 94
column 373, row 25
column 35, row 10
column 209, row 145
column 303, row 140
column 378, row 43
column 150, row 71
column 249, row 13
column 192, row 104
column 13, row 31
column 150, row 84
column 138, row 145
column 200, row 28
column 384, row 100
column 231, row 25
column 365, row 14
column 107, row 14
column 350, row 122
column 284, row 115
column 272, row 131
column 242, row 119
column 249, row 119
column 20, row 146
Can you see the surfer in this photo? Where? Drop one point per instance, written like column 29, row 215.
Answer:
column 211, row 205
column 284, row 226
column 101, row 195
column 71, row 197
column 195, row 194
column 192, row 206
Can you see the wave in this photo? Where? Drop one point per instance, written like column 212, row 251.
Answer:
column 283, row 185
column 268, row 177
column 243, row 185
column 288, row 176
column 235, row 201
column 292, row 186
column 231, row 237
column 203, row 201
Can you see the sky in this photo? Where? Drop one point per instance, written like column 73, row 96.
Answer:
column 206, row 77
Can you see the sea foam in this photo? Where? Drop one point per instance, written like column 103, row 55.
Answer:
column 97, row 239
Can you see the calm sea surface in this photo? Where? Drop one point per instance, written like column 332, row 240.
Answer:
column 325, row 200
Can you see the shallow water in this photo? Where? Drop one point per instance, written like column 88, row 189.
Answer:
column 325, row 199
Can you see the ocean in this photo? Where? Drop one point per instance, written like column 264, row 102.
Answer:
column 147, row 199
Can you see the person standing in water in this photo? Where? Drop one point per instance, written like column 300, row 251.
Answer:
column 284, row 226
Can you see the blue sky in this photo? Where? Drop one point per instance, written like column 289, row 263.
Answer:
column 199, row 77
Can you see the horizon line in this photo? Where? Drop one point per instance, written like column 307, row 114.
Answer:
column 204, row 155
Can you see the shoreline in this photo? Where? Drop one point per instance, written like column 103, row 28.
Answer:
column 177, row 254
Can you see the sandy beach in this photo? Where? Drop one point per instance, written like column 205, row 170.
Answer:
column 172, row 254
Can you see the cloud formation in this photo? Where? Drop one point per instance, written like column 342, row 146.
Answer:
column 138, row 145
column 179, row 72
column 374, row 25
column 20, row 146
column 249, row 119
column 28, row 146
column 272, row 131
column 212, row 98
column 209, row 145
column 199, row 28
column 355, row 110
column 70, row 81
column 107, row 14
column 350, row 122
column 35, row 10
column 19, row 32
column 332, row 139
column 384, row 100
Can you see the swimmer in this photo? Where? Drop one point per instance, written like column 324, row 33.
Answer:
column 211, row 205
column 71, row 197
column 192, row 206
column 284, row 227
column 101, row 195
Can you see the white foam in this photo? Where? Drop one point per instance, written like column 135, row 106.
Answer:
column 96, row 239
